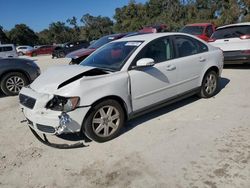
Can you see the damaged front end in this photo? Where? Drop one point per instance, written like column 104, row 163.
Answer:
column 52, row 114
column 63, row 105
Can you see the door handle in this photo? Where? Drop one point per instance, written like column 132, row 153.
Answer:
column 171, row 67
column 202, row 59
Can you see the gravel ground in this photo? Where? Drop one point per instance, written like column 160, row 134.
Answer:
column 193, row 143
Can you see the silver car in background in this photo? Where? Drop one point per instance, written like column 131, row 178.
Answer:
column 22, row 50
column 119, row 81
column 7, row 50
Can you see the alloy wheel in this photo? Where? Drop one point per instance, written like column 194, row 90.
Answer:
column 106, row 121
column 210, row 84
column 14, row 84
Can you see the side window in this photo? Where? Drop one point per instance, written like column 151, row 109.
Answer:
column 202, row 47
column 1, row 49
column 186, row 46
column 7, row 48
column 209, row 31
column 159, row 50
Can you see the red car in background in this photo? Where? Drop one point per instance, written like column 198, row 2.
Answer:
column 46, row 49
column 201, row 30
column 79, row 55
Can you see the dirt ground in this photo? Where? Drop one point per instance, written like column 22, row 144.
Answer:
column 193, row 143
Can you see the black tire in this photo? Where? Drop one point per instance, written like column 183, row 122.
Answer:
column 209, row 88
column 61, row 55
column 90, row 128
column 7, row 79
column 33, row 54
column 20, row 53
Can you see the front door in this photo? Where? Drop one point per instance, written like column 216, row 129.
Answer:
column 152, row 85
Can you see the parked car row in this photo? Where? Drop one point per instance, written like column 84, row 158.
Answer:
column 233, row 39
column 79, row 55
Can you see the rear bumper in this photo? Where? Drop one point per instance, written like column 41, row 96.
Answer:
column 236, row 57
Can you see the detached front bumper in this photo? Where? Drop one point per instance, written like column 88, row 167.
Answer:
column 46, row 120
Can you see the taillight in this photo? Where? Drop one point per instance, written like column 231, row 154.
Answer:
column 211, row 40
column 245, row 37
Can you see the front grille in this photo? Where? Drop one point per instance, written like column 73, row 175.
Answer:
column 45, row 128
column 27, row 101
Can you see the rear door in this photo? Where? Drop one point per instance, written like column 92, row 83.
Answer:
column 191, row 59
column 151, row 85
column 232, row 38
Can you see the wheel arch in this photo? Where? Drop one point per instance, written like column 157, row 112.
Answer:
column 16, row 70
column 114, row 97
column 213, row 68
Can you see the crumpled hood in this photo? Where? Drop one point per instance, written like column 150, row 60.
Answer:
column 49, row 81
column 80, row 53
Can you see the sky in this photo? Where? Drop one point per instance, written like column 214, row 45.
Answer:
column 38, row 14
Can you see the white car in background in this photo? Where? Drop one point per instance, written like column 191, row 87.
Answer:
column 7, row 50
column 234, row 40
column 22, row 50
column 119, row 81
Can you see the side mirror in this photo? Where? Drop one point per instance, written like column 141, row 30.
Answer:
column 145, row 62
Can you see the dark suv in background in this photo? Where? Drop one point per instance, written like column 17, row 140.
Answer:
column 62, row 51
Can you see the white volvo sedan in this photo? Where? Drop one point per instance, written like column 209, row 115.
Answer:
column 119, row 81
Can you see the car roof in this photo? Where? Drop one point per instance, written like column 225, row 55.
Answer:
column 24, row 46
column 199, row 24
column 15, row 59
column 150, row 36
column 6, row 44
column 231, row 25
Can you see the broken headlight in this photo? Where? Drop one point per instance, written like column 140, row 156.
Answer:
column 64, row 104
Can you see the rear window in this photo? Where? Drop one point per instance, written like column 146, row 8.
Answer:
column 193, row 30
column 231, row 32
column 6, row 48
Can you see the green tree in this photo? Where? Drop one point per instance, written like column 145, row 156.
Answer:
column 21, row 34
column 245, row 10
column 130, row 17
column 57, row 33
column 96, row 27
column 3, row 38
column 76, row 31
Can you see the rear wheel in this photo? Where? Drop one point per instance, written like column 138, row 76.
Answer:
column 104, row 121
column 209, row 85
column 12, row 83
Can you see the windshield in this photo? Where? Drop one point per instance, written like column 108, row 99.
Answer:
column 100, row 42
column 112, row 56
column 231, row 32
column 193, row 30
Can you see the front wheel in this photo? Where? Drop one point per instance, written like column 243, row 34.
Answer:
column 104, row 121
column 209, row 85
